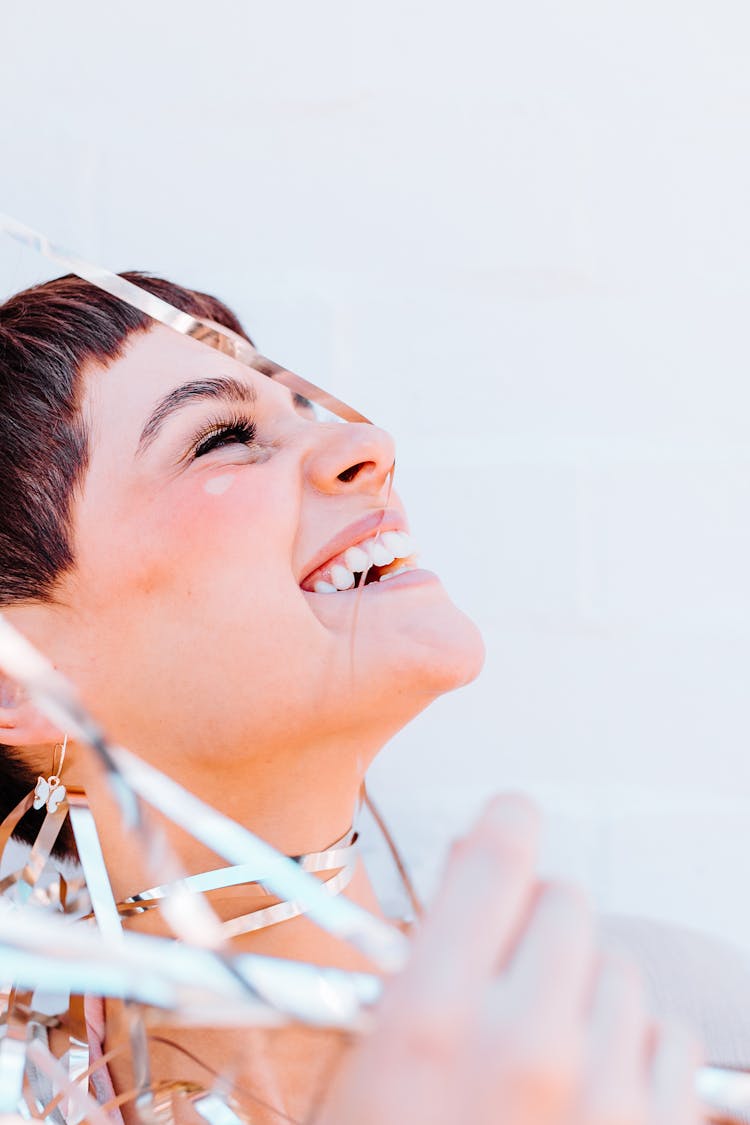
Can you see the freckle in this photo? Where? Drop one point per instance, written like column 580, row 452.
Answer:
column 217, row 486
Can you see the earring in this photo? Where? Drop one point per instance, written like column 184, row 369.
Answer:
column 51, row 792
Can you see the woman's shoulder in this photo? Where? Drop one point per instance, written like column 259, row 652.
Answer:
column 692, row 976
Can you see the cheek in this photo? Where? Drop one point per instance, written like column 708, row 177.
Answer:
column 228, row 531
column 219, row 534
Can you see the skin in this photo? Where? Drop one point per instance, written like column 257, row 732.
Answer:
column 188, row 635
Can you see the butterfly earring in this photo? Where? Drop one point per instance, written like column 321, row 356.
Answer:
column 51, row 792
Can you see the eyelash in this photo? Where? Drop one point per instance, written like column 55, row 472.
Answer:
column 240, row 430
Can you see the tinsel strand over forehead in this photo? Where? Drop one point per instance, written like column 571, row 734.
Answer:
column 206, row 332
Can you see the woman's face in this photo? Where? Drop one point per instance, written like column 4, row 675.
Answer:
column 210, row 503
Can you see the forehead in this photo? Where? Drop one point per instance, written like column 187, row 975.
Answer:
column 122, row 394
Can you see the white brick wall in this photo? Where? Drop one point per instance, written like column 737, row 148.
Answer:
column 518, row 235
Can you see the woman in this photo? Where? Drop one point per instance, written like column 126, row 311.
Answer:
column 184, row 541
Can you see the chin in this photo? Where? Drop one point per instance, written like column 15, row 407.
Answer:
column 436, row 652
column 453, row 656
column 410, row 643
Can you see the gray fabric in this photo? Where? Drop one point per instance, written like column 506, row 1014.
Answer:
column 693, row 977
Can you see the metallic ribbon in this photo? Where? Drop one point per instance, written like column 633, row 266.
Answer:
column 178, row 977
column 282, row 911
column 217, row 1110
column 9, row 825
column 78, row 1096
column 341, row 855
column 94, row 867
column 206, row 332
column 724, row 1093
column 25, row 880
column 13, row 1048
column 78, row 1056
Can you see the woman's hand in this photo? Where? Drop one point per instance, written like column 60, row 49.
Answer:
column 508, row 1014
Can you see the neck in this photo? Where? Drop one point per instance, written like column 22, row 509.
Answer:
column 299, row 804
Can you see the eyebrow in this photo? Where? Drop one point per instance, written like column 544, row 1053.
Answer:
column 226, row 389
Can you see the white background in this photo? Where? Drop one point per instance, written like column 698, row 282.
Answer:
column 518, row 236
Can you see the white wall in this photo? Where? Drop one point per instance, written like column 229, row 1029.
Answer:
column 518, row 236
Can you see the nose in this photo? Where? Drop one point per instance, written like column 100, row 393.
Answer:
column 350, row 454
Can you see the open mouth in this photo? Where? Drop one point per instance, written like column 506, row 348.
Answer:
column 376, row 559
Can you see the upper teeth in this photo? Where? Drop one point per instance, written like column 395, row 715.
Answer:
column 380, row 550
column 356, row 559
column 342, row 577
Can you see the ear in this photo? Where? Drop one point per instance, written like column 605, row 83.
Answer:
column 20, row 722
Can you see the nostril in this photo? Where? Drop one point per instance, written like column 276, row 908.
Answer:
column 353, row 471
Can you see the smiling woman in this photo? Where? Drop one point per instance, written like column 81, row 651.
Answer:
column 232, row 586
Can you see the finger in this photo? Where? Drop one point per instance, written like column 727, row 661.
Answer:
column 675, row 1058
column 550, row 974
column 481, row 905
column 616, row 1081
column 532, row 1033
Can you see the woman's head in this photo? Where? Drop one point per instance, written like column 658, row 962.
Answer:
column 165, row 510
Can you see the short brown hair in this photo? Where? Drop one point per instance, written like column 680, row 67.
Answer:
column 48, row 334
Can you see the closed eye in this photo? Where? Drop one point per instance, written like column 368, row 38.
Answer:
column 240, row 431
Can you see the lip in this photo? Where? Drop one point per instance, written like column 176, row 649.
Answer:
column 417, row 576
column 382, row 519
